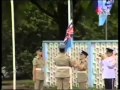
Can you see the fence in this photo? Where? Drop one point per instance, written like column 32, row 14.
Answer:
column 50, row 50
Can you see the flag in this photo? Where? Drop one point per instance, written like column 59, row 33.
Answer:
column 102, row 19
column 103, row 10
column 109, row 5
column 69, row 38
column 46, row 52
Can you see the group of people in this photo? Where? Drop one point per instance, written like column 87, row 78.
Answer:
column 63, row 64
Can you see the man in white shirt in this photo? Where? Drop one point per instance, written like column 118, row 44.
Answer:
column 108, row 69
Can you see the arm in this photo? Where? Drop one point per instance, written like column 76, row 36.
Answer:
column 34, row 67
column 102, row 59
column 75, row 64
column 82, row 66
column 112, row 64
column 72, row 63
column 102, row 56
column 34, row 72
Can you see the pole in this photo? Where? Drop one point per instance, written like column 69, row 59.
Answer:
column 69, row 22
column 106, row 28
column 69, row 13
column 13, row 44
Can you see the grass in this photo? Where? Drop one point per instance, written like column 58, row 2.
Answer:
column 19, row 84
column 28, row 84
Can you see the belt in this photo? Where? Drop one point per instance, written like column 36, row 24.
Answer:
column 38, row 69
column 82, row 71
column 63, row 67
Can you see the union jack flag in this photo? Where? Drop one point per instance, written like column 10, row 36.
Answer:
column 69, row 37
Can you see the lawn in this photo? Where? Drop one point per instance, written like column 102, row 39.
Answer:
column 20, row 84
column 26, row 84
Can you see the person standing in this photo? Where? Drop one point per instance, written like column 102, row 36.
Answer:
column 63, row 67
column 82, row 75
column 38, row 70
column 108, row 65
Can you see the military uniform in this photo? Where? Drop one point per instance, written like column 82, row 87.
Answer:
column 82, row 73
column 63, row 67
column 39, row 73
column 62, row 75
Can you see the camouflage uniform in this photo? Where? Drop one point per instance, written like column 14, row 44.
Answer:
column 39, row 73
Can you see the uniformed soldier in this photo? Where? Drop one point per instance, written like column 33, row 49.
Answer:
column 82, row 75
column 63, row 66
column 108, row 69
column 38, row 70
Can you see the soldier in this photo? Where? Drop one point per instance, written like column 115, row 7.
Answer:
column 82, row 67
column 108, row 69
column 38, row 70
column 63, row 66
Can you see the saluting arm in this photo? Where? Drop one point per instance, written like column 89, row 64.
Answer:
column 102, row 56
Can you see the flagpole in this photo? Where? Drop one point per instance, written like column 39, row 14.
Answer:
column 106, row 29
column 13, row 44
column 69, row 22
column 69, row 14
column 69, row 17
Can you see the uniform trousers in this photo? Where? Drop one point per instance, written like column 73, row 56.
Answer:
column 63, row 83
column 83, row 86
column 109, row 83
column 38, row 85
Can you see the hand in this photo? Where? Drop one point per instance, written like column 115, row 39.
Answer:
column 75, row 64
column 100, row 55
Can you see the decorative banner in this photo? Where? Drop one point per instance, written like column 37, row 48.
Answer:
column 103, row 10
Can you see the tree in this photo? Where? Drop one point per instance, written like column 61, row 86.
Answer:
column 40, row 20
column 59, row 12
